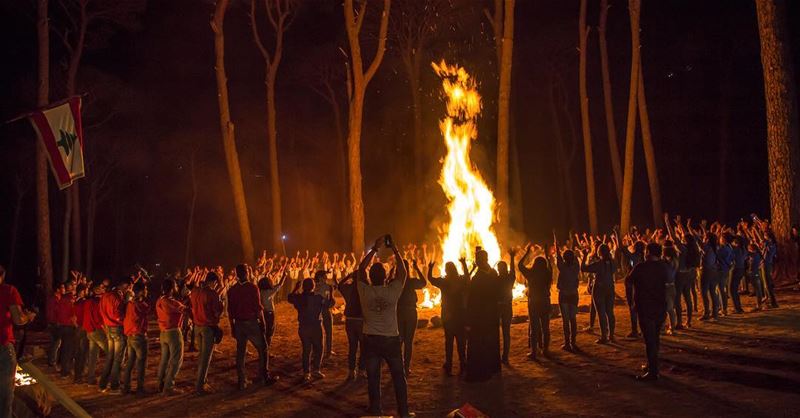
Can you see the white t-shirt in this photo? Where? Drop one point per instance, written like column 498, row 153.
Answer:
column 379, row 306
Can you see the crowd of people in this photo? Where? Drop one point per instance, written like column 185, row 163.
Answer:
column 663, row 270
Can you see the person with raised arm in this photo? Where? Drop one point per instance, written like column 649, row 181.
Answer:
column 309, row 305
column 268, row 290
column 505, row 306
column 483, row 325
column 454, row 288
column 169, row 312
column 112, row 310
column 567, row 284
column 353, row 326
column 407, row 313
column 603, row 294
column 381, row 335
column 135, row 329
column 540, row 279
column 649, row 297
column 322, row 288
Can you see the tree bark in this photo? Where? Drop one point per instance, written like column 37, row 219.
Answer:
column 649, row 154
column 504, row 99
column 588, row 159
column 227, row 130
column 359, row 81
column 782, row 128
column 44, row 247
column 634, row 7
column 65, row 241
column 611, row 128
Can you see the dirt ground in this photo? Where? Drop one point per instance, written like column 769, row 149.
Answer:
column 743, row 365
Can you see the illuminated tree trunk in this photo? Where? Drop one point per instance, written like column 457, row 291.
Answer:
column 782, row 128
column 504, row 100
column 359, row 81
column 591, row 203
column 611, row 128
column 634, row 7
column 227, row 128
column 649, row 154
column 44, row 247
column 65, row 241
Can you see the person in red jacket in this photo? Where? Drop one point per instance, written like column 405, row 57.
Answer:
column 247, row 322
column 11, row 313
column 92, row 324
column 50, row 312
column 206, row 310
column 135, row 329
column 66, row 325
column 112, row 310
column 169, row 312
column 81, row 340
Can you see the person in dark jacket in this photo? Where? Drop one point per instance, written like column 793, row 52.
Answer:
column 309, row 307
column 603, row 290
column 453, row 287
column 648, row 281
column 568, row 271
column 407, row 314
column 540, row 279
column 353, row 326
column 507, row 280
column 483, row 327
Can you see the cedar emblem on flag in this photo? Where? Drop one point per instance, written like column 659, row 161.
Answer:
column 59, row 128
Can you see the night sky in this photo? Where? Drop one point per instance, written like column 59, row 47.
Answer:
column 152, row 94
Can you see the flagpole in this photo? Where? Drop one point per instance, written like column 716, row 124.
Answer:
column 49, row 106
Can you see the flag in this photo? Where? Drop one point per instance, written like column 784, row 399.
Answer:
column 59, row 128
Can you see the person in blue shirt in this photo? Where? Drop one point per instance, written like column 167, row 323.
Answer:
column 603, row 292
column 739, row 270
column 725, row 261
column 754, row 264
column 708, row 279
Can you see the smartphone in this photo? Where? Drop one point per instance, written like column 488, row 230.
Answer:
column 388, row 241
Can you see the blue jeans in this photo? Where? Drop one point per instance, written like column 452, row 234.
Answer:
column 81, row 351
column 569, row 312
column 8, row 369
column 736, row 281
column 171, row 357
column 136, row 356
column 205, row 342
column 723, row 280
column 97, row 341
column 708, row 288
column 116, row 350
column 377, row 349
column 311, row 340
column 245, row 331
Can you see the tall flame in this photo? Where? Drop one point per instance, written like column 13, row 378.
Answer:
column 471, row 204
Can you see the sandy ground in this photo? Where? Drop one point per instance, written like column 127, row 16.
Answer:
column 744, row 365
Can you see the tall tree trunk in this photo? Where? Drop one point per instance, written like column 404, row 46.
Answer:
column 634, row 7
column 359, row 81
column 413, row 64
column 649, row 154
column 227, row 129
column 782, row 128
column 274, row 176
column 588, row 159
column 564, row 177
column 190, row 221
column 341, row 146
column 504, row 100
column 73, row 192
column 44, row 247
column 91, row 216
column 611, row 128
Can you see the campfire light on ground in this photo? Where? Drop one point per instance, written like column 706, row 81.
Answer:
column 23, row 379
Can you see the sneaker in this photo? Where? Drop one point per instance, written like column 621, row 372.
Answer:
column 647, row 377
column 590, row 330
column 317, row 375
column 245, row 384
column 205, row 389
column 307, row 378
column 271, row 380
column 679, row 327
column 351, row 375
column 109, row 391
column 532, row 355
column 669, row 332
column 566, row 347
column 362, row 374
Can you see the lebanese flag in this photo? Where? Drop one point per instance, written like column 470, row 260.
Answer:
column 59, row 128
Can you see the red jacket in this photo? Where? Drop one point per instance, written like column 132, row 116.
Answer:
column 50, row 308
column 244, row 302
column 169, row 313
column 112, row 309
column 206, row 307
column 65, row 310
column 136, row 318
column 91, row 320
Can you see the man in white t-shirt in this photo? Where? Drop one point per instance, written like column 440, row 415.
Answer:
column 381, row 336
